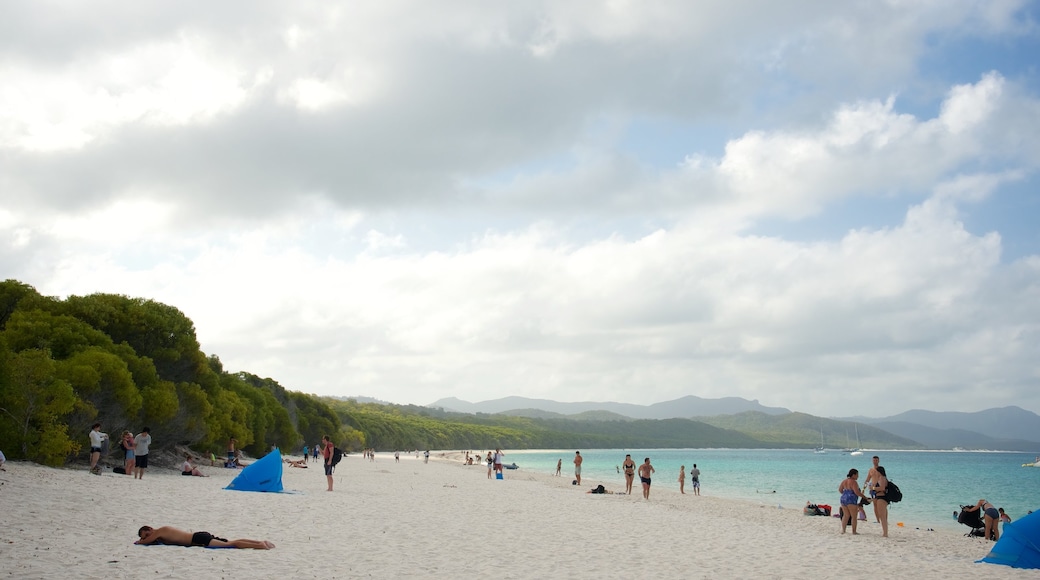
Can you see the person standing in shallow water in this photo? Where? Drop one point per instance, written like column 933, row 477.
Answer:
column 577, row 466
column 695, row 479
column 682, row 478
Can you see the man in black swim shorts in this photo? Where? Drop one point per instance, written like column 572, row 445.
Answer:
column 170, row 536
column 644, row 476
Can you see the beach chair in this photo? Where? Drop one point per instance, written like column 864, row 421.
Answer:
column 973, row 520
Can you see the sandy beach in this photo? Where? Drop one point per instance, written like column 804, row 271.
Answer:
column 437, row 520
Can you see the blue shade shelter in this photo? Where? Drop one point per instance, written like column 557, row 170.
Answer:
column 1019, row 544
column 264, row 474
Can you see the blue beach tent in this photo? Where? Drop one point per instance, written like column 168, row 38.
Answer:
column 1019, row 544
column 264, row 474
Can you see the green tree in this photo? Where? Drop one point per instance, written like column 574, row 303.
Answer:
column 34, row 403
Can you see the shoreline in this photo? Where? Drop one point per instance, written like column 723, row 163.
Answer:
column 444, row 518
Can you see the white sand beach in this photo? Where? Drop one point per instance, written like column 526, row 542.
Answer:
column 440, row 520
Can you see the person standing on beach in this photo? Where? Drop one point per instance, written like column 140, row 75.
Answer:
column 682, row 478
column 644, row 476
column 695, row 479
column 141, row 443
column 96, row 438
column 231, row 452
column 559, row 466
column 397, row 457
column 577, row 466
column 872, row 477
column 327, row 452
column 129, row 449
column 991, row 518
column 630, row 473
column 850, row 494
column 499, row 458
column 490, row 463
column 880, row 501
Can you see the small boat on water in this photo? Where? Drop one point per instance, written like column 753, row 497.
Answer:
column 511, row 466
column 1035, row 463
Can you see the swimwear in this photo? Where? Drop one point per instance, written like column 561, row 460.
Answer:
column 696, row 483
column 577, row 470
column 142, row 461
column 204, row 538
column 95, row 450
column 848, row 497
column 129, row 454
column 993, row 513
column 185, row 473
column 645, row 480
column 328, row 469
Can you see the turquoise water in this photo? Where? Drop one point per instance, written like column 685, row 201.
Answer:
column 934, row 483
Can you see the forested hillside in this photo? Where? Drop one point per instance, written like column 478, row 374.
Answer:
column 129, row 363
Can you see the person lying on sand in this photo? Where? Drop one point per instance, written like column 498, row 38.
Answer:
column 170, row 536
column 301, row 463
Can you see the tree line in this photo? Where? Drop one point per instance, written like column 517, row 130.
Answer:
column 128, row 363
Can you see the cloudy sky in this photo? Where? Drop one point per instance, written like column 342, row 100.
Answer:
column 826, row 206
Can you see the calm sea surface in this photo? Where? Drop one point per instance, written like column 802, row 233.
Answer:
column 934, row 483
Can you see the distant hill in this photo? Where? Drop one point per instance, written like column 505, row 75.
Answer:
column 809, row 430
column 950, row 438
column 1003, row 423
column 685, row 407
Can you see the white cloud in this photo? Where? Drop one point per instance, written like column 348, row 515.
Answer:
column 560, row 200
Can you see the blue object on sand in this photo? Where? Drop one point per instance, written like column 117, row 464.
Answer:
column 264, row 474
column 1019, row 544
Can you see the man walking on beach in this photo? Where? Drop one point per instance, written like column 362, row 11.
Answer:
column 141, row 442
column 644, row 476
column 96, row 437
column 327, row 452
column 872, row 477
column 695, row 479
column 171, row 536
column 577, row 466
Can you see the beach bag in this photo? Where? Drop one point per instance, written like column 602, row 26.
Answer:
column 599, row 489
column 892, row 493
column 337, row 455
column 119, row 470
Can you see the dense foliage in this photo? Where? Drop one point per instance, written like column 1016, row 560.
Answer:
column 129, row 363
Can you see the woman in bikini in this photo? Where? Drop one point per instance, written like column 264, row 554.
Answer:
column 630, row 473
column 128, row 446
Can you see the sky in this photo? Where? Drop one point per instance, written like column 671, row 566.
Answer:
column 826, row 206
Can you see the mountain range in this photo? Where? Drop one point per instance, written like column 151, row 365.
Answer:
column 1006, row 428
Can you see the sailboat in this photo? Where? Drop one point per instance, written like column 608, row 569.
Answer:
column 856, row 451
column 820, row 449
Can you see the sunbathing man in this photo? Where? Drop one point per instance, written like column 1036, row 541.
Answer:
column 170, row 536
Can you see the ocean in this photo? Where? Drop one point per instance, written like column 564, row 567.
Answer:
column 934, row 483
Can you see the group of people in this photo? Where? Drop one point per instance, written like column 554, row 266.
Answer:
column 852, row 499
column 695, row 479
column 135, row 450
